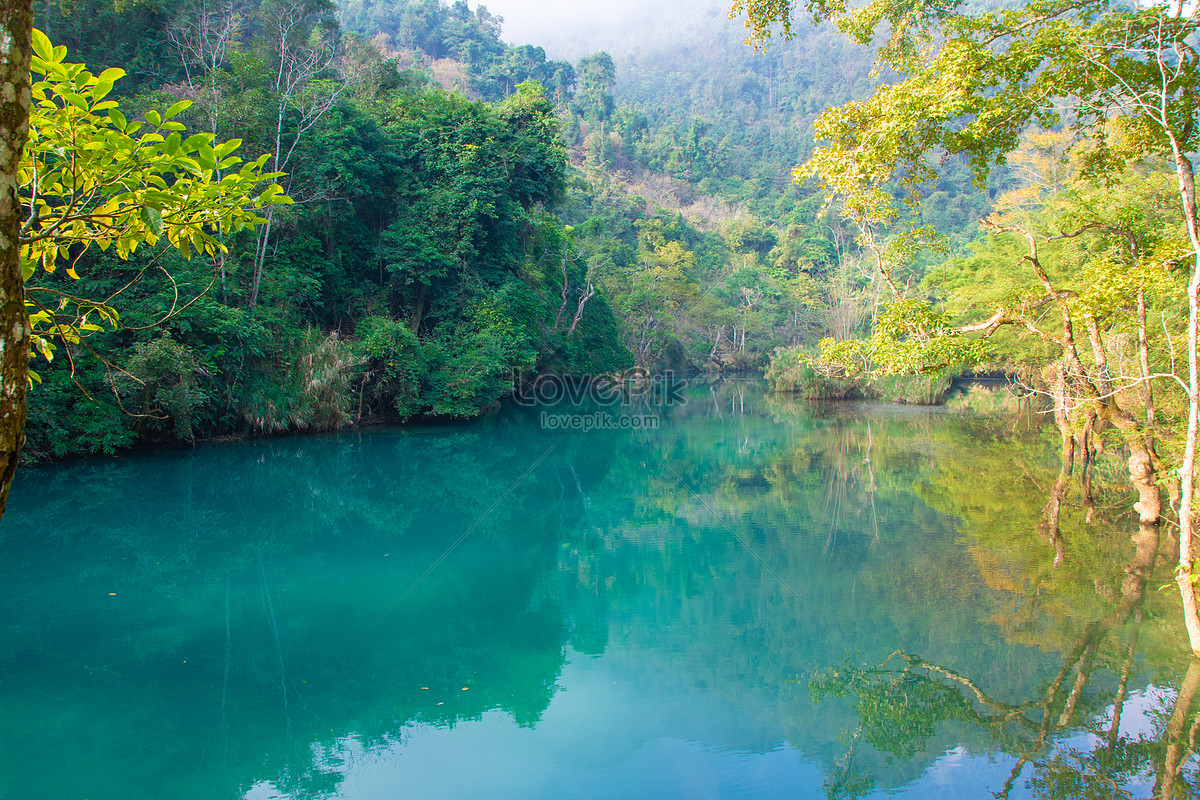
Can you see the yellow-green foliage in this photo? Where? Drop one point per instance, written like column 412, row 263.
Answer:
column 89, row 176
column 792, row 371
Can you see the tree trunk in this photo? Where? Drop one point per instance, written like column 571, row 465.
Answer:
column 1049, row 526
column 717, row 344
column 1149, row 508
column 1144, row 366
column 15, row 53
column 566, row 288
column 414, row 321
column 584, row 296
column 1178, row 744
column 260, row 256
column 1187, row 470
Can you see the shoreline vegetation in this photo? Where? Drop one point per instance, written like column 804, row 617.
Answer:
column 964, row 394
column 791, row 375
column 793, row 371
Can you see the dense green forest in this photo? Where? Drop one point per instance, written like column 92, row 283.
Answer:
column 467, row 214
column 421, row 270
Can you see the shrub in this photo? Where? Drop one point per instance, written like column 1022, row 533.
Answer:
column 163, row 387
column 392, row 364
column 791, row 372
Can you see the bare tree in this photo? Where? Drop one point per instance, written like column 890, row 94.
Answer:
column 301, row 55
column 846, row 307
column 203, row 35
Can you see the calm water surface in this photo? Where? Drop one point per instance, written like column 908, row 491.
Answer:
column 756, row 599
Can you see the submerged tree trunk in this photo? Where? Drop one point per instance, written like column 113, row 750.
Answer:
column 1146, row 539
column 1149, row 503
column 1051, row 513
column 1087, row 444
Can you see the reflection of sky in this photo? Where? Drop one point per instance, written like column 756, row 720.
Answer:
column 605, row 737
column 1141, row 706
column 600, row 738
column 958, row 774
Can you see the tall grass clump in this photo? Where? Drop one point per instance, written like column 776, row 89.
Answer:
column 314, row 390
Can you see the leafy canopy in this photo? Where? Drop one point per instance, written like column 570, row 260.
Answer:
column 91, row 176
column 1121, row 78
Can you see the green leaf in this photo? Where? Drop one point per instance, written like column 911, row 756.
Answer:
column 196, row 141
column 225, row 148
column 153, row 219
column 137, row 187
column 42, row 46
column 177, row 108
column 207, row 158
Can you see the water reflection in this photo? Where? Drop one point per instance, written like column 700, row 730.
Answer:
column 901, row 701
column 755, row 599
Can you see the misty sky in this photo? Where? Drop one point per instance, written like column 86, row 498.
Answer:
column 568, row 28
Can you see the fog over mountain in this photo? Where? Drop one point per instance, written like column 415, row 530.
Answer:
column 573, row 28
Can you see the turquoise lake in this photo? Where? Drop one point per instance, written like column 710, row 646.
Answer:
column 735, row 596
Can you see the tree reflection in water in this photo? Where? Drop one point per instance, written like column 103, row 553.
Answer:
column 901, row 701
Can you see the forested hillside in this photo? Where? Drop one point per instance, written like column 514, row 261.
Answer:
column 421, row 269
column 467, row 214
